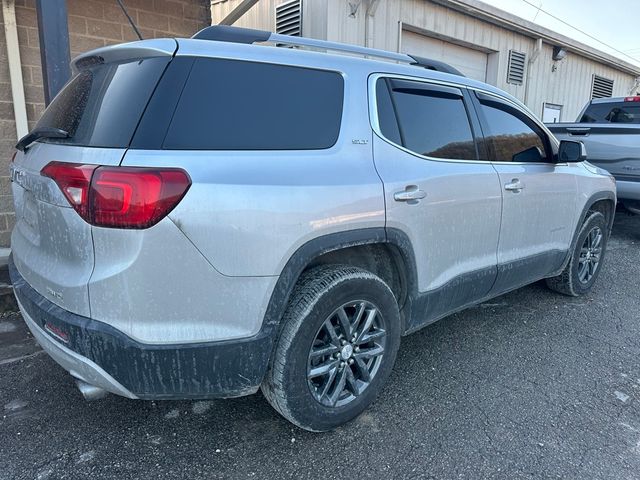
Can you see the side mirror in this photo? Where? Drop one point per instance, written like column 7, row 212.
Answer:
column 572, row 152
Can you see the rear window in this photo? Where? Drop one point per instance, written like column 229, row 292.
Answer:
column 240, row 105
column 619, row 112
column 101, row 105
column 431, row 120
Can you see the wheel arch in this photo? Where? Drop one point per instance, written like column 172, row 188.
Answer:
column 603, row 202
column 387, row 253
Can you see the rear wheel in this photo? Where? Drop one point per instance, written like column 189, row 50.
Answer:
column 586, row 261
column 339, row 341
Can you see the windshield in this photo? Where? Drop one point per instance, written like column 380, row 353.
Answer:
column 101, row 106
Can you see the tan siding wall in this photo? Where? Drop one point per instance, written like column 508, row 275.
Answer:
column 92, row 24
column 569, row 85
column 262, row 15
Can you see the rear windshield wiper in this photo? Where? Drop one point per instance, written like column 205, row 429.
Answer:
column 42, row 132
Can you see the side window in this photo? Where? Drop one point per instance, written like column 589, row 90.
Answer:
column 432, row 120
column 512, row 136
column 242, row 105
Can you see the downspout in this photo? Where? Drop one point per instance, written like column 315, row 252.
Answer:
column 15, row 68
column 372, row 6
column 532, row 60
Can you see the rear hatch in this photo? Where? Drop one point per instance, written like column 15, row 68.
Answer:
column 99, row 109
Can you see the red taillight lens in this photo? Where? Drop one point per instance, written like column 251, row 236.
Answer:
column 124, row 197
column 74, row 180
column 120, row 197
column 632, row 99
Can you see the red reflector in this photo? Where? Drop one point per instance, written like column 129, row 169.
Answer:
column 120, row 197
column 56, row 332
column 632, row 99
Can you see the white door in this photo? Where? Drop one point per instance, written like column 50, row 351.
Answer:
column 473, row 63
column 551, row 113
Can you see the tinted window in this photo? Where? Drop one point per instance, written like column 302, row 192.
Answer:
column 101, row 105
column 386, row 114
column 512, row 137
column 237, row 105
column 619, row 112
column 433, row 122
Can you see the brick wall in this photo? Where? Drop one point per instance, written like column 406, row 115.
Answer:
column 92, row 24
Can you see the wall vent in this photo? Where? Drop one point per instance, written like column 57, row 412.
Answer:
column 601, row 87
column 289, row 18
column 515, row 72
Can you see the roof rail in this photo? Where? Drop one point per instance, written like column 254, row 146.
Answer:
column 227, row 33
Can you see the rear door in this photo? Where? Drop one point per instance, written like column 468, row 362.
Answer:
column 438, row 191
column 99, row 108
column 539, row 196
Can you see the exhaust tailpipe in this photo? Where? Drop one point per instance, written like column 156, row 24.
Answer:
column 91, row 392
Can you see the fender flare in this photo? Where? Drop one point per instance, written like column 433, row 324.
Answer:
column 318, row 246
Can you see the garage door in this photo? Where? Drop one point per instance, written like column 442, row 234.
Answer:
column 473, row 63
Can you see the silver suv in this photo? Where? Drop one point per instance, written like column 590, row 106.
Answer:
column 201, row 218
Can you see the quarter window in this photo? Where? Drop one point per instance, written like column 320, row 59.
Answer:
column 241, row 105
column 512, row 137
column 431, row 120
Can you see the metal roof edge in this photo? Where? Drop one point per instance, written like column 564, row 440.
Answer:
column 484, row 11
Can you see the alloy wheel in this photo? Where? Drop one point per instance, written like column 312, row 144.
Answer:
column 590, row 255
column 346, row 353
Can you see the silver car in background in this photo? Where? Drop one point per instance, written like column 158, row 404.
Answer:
column 201, row 218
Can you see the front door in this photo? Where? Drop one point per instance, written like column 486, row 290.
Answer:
column 437, row 191
column 539, row 195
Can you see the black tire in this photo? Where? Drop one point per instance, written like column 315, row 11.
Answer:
column 569, row 282
column 319, row 293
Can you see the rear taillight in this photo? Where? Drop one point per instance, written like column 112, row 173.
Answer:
column 74, row 181
column 632, row 99
column 119, row 197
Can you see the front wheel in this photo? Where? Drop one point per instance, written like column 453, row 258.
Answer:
column 586, row 260
column 338, row 344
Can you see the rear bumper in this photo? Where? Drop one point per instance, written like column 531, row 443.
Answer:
column 103, row 356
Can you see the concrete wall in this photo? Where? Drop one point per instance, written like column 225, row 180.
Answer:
column 92, row 24
column 566, row 83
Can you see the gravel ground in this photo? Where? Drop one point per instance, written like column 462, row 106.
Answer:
column 529, row 385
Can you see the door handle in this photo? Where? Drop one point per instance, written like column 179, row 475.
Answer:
column 410, row 194
column 515, row 186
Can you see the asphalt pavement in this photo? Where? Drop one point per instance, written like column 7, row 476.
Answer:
column 529, row 385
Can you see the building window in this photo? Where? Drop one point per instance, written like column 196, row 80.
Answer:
column 551, row 112
column 515, row 71
column 601, row 87
column 289, row 18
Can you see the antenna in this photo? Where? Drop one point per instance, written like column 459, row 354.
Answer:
column 133, row 25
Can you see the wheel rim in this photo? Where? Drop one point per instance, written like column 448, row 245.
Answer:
column 346, row 353
column 590, row 255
